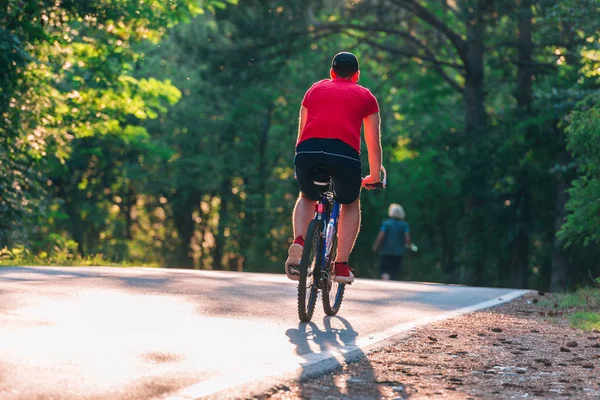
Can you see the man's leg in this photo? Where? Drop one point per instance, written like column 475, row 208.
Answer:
column 303, row 214
column 348, row 230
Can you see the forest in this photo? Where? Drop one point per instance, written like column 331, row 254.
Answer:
column 163, row 132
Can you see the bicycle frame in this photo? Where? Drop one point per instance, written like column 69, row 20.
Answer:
column 330, row 220
column 315, row 268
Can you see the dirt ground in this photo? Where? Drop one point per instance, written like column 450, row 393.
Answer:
column 514, row 351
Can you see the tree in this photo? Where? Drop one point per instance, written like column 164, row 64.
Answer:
column 66, row 75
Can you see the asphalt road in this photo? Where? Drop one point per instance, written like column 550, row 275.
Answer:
column 138, row 333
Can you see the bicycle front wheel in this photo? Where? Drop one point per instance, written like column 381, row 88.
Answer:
column 309, row 272
column 333, row 292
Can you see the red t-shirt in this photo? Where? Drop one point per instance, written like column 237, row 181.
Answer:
column 336, row 109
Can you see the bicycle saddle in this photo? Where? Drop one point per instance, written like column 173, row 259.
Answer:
column 321, row 176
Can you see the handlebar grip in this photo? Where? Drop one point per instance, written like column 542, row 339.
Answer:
column 378, row 185
column 381, row 184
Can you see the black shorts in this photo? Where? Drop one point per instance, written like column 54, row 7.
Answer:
column 339, row 158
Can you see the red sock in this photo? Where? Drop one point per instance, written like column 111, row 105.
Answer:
column 299, row 240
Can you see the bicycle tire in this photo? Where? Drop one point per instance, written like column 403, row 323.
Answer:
column 333, row 292
column 309, row 272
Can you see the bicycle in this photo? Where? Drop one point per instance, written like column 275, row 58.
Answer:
column 318, row 255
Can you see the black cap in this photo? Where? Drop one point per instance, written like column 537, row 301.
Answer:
column 344, row 63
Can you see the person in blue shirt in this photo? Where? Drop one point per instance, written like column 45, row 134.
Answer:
column 393, row 239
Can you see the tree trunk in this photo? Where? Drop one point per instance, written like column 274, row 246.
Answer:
column 76, row 228
column 129, row 202
column 519, row 265
column 184, row 205
column 262, row 160
column 474, row 95
column 475, row 119
column 560, row 266
column 448, row 233
column 520, row 260
column 255, row 203
column 224, row 195
column 524, row 56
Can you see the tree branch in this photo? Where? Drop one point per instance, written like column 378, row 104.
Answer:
column 425, row 15
column 434, row 63
column 406, row 35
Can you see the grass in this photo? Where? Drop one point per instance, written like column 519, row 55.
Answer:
column 586, row 321
column 582, row 307
column 582, row 298
column 90, row 261
column 63, row 254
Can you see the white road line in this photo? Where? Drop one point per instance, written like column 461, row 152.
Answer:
column 327, row 360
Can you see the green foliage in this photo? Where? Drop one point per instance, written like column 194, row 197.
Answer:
column 66, row 73
column 586, row 321
column 583, row 223
column 165, row 131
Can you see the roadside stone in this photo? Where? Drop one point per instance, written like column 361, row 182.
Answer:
column 354, row 380
column 496, row 330
column 565, row 350
column 572, row 344
column 398, row 389
column 521, row 370
column 544, row 373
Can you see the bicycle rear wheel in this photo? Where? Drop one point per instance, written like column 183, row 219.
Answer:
column 333, row 293
column 309, row 272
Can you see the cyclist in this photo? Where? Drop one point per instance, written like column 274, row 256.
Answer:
column 332, row 113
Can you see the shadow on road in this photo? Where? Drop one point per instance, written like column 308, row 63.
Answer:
column 339, row 339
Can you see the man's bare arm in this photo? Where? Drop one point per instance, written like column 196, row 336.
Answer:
column 302, row 120
column 373, row 140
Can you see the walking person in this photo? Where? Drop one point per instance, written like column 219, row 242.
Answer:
column 393, row 239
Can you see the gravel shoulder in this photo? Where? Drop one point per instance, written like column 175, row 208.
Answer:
column 516, row 350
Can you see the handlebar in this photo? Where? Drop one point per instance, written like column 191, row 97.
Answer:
column 381, row 184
